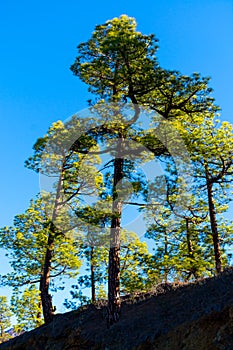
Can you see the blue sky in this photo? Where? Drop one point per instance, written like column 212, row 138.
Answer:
column 38, row 45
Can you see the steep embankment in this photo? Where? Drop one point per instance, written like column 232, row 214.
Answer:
column 187, row 317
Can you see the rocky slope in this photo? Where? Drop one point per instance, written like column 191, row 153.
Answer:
column 172, row 317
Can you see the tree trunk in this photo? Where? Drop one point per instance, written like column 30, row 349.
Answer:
column 46, row 298
column 188, row 239
column 166, row 268
column 39, row 313
column 193, row 269
column 114, row 302
column 93, row 295
column 214, row 225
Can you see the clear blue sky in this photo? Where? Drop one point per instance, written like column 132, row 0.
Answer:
column 38, row 44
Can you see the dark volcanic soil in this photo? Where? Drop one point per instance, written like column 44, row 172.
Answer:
column 196, row 316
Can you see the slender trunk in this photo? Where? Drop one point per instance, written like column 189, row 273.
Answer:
column 93, row 295
column 166, row 270
column 46, row 298
column 39, row 313
column 188, row 239
column 214, row 225
column 114, row 302
column 193, row 270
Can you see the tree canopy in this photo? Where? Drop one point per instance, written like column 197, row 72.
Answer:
column 93, row 164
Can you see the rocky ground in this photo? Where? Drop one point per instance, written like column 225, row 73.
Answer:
column 196, row 316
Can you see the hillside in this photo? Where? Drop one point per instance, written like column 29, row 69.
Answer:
column 172, row 317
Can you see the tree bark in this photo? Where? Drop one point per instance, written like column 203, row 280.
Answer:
column 188, row 239
column 46, row 298
column 39, row 313
column 93, row 294
column 166, row 268
column 114, row 302
column 193, row 269
column 214, row 225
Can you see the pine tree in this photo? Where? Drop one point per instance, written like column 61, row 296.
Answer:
column 5, row 319
column 27, row 308
column 210, row 145
column 26, row 244
column 119, row 64
column 73, row 174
